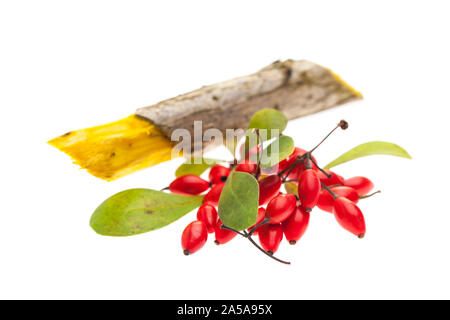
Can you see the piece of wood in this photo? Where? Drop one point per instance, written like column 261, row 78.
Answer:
column 297, row 88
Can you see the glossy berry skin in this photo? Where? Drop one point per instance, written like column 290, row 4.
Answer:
column 223, row 235
column 247, row 166
column 269, row 187
column 218, row 174
column 189, row 184
column 259, row 218
column 270, row 236
column 208, row 214
column 349, row 216
column 309, row 189
column 295, row 226
column 334, row 180
column 213, row 195
column 280, row 208
column 194, row 237
column 326, row 200
column 362, row 185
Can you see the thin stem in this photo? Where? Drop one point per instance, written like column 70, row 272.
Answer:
column 369, row 195
column 248, row 236
column 259, row 154
column 166, row 188
column 231, row 229
column 265, row 252
column 265, row 220
column 292, row 166
column 329, row 190
column 323, row 171
column 343, row 124
column 292, row 180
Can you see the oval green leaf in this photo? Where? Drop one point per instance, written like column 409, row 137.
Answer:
column 193, row 168
column 268, row 119
column 136, row 211
column 238, row 203
column 277, row 151
column 368, row 149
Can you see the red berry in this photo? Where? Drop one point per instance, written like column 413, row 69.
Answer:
column 309, row 189
column 326, row 200
column 208, row 214
column 223, row 235
column 194, row 237
column 295, row 226
column 269, row 187
column 280, row 208
column 218, row 174
column 362, row 185
column 334, row 180
column 349, row 216
column 270, row 236
column 188, row 184
column 247, row 166
column 213, row 195
column 259, row 218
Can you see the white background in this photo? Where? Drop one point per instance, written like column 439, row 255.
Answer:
column 66, row 65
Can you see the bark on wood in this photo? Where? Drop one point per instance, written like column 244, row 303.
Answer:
column 297, row 88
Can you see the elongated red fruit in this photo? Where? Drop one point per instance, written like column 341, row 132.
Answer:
column 295, row 226
column 189, row 184
column 335, row 179
column 259, row 218
column 247, row 166
column 270, row 236
column 208, row 214
column 326, row 200
column 280, row 208
column 362, row 185
column 213, row 195
column 269, row 187
column 349, row 216
column 218, row 174
column 223, row 235
column 309, row 189
column 194, row 237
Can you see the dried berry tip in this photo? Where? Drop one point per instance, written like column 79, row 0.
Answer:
column 343, row 124
column 292, row 242
column 186, row 252
column 270, row 253
column 216, row 242
column 361, row 235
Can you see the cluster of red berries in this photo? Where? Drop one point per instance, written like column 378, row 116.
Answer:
column 279, row 213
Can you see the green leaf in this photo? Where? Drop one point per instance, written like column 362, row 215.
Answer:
column 191, row 168
column 136, row 211
column 268, row 119
column 291, row 188
column 238, row 203
column 277, row 151
column 368, row 149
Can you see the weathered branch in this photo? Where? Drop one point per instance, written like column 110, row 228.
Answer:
column 297, row 88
